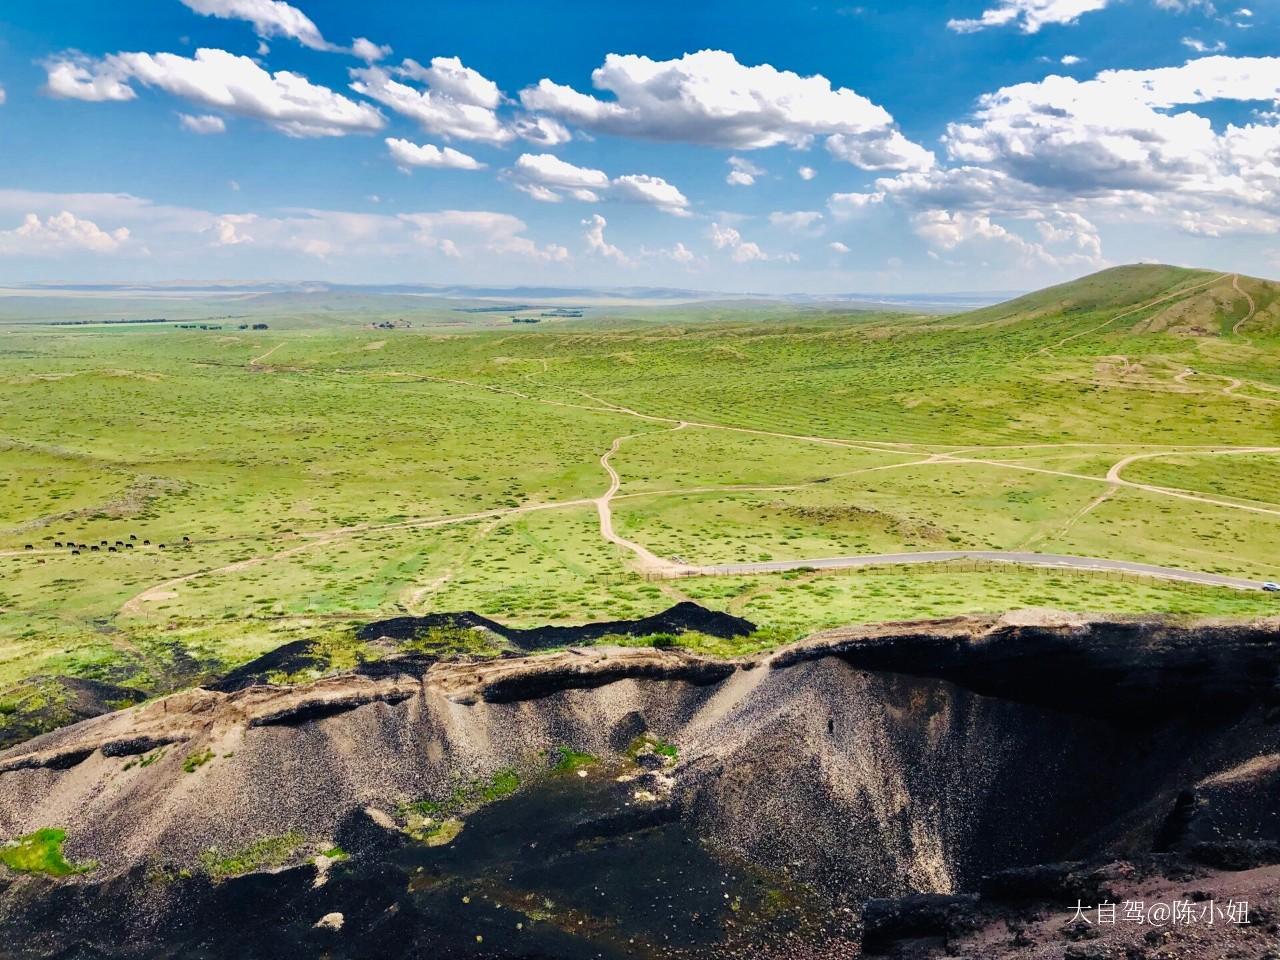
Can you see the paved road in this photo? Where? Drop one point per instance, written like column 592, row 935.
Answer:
column 999, row 556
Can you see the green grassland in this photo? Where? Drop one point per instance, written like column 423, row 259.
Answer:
column 323, row 473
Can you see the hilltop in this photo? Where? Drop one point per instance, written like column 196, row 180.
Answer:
column 1182, row 301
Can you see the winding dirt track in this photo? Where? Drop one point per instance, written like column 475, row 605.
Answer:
column 262, row 356
column 1235, row 282
column 1133, row 310
column 648, row 562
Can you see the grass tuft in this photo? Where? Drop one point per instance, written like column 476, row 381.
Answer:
column 41, row 852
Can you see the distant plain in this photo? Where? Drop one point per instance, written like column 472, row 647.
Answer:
column 327, row 471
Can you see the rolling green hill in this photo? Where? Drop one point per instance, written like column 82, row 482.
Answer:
column 1195, row 302
column 305, row 480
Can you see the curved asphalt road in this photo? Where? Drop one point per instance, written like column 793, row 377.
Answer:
column 998, row 556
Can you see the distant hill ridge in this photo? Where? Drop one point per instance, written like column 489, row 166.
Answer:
column 1161, row 299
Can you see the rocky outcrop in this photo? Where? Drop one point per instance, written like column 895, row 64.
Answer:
column 42, row 703
column 680, row 618
column 876, row 762
column 1125, row 668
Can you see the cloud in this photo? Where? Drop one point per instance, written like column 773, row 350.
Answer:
column 1028, row 15
column 544, row 131
column 843, row 206
column 678, row 254
column 270, row 18
column 205, row 123
column 186, row 234
column 456, row 232
column 597, row 244
column 2, row 96
column 1128, row 135
column 368, row 51
column 740, row 250
column 1199, row 46
column 60, row 233
column 455, row 102
column 1070, row 60
column 642, row 188
column 709, row 98
column 742, row 172
column 118, row 208
column 891, row 151
column 449, row 77
column 75, row 77
column 837, row 247
column 408, row 154
column 682, row 254
column 546, row 177
column 215, row 78
column 226, row 229
column 807, row 173
column 798, row 221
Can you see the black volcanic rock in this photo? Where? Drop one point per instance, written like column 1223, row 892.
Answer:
column 889, row 920
column 44, row 703
column 681, row 618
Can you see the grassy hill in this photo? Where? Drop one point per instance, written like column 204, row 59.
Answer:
column 1190, row 302
column 326, row 477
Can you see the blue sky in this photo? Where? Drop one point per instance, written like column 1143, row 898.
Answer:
column 773, row 147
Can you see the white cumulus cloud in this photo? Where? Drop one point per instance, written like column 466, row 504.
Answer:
column 1028, row 15
column 710, row 98
column 451, row 100
column 544, row 131
column 891, row 151
column 597, row 244
column 642, row 188
column 407, row 154
column 76, row 77
column 368, row 51
column 742, row 172
column 546, row 177
column 205, row 123
column 60, row 233
column 741, row 251
column 798, row 221
column 457, row 232
column 215, row 78
column 270, row 18
column 1199, row 46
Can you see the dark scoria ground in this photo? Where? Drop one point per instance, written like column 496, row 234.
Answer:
column 866, row 763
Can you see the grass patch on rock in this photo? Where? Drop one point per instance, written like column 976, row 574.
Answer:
column 41, row 852
column 453, row 641
column 436, row 823
column 265, row 854
column 568, row 760
column 195, row 761
column 704, row 643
